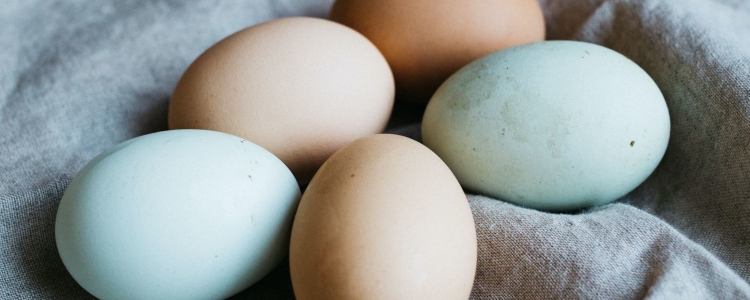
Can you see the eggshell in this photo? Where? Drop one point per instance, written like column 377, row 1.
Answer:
column 187, row 214
column 384, row 218
column 425, row 41
column 552, row 125
column 300, row 87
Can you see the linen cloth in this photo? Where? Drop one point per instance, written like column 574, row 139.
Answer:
column 77, row 77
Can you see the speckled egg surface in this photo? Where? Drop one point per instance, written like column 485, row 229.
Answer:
column 556, row 125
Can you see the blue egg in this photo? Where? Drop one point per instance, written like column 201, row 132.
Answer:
column 184, row 214
column 555, row 125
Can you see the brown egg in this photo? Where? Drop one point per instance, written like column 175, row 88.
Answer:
column 425, row 41
column 300, row 87
column 384, row 218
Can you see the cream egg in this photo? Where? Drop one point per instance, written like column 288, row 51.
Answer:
column 384, row 218
column 299, row 87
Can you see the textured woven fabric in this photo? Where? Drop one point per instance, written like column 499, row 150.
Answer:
column 77, row 77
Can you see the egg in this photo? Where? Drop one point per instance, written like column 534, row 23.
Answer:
column 299, row 87
column 186, row 214
column 384, row 218
column 556, row 125
column 425, row 41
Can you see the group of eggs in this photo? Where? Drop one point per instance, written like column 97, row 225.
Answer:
column 207, row 209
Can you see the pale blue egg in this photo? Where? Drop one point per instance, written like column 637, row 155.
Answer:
column 555, row 125
column 183, row 214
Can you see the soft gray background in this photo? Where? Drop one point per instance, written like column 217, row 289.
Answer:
column 77, row 77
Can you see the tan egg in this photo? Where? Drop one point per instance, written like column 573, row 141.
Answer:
column 425, row 41
column 301, row 88
column 384, row 218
